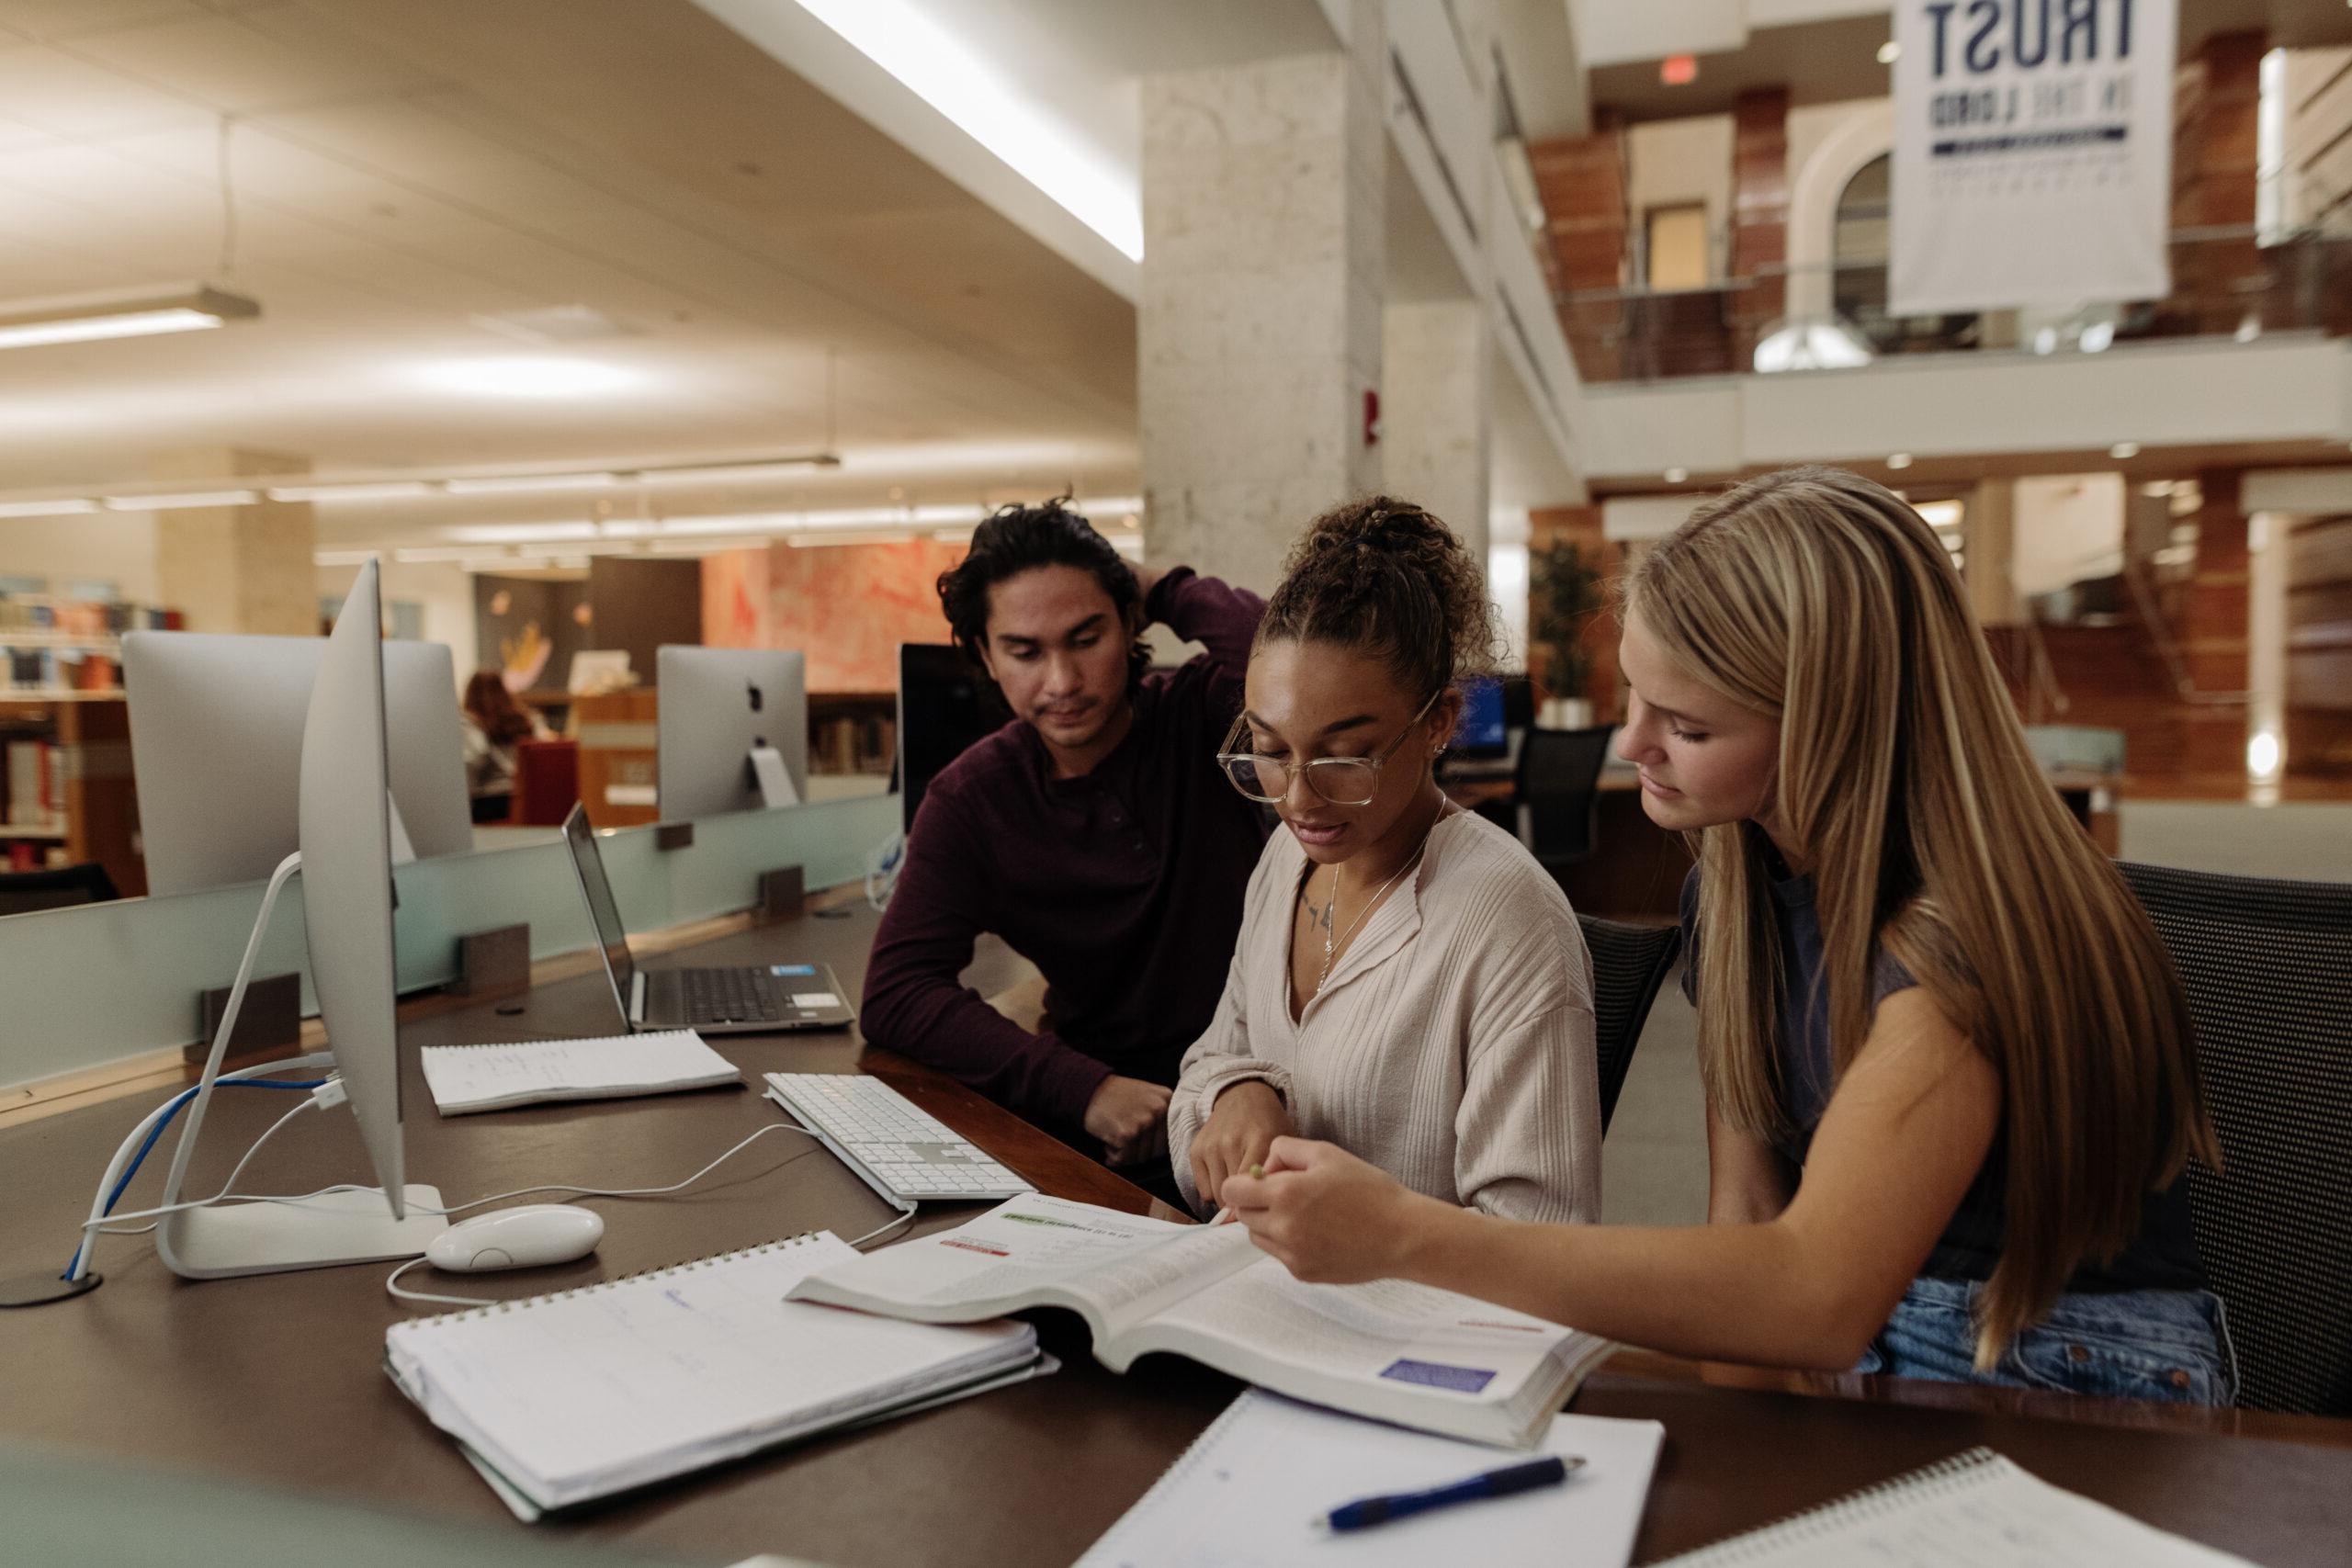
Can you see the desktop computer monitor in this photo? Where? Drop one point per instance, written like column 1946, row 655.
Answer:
column 344, row 828
column 216, row 745
column 715, row 706
column 945, row 703
column 1481, row 733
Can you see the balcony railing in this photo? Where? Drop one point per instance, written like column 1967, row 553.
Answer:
column 2225, row 285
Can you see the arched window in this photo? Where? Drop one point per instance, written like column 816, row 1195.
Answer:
column 1860, row 235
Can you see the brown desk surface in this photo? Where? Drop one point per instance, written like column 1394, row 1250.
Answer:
column 279, row 1377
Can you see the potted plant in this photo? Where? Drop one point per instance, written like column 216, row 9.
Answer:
column 1564, row 592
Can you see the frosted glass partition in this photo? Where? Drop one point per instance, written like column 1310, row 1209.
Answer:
column 85, row 987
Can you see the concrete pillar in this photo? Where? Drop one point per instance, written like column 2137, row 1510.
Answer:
column 1436, row 411
column 237, row 568
column 1259, row 319
column 1988, row 547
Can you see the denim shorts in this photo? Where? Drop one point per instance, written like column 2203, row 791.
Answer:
column 2169, row 1346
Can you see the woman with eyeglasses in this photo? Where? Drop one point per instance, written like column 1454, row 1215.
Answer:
column 1408, row 983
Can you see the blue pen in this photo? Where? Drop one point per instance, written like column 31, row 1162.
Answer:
column 1367, row 1512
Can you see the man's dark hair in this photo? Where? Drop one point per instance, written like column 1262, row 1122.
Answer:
column 1018, row 538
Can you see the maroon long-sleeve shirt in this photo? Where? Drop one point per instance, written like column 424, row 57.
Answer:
column 1123, row 887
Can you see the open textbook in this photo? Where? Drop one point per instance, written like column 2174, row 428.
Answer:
column 1391, row 1350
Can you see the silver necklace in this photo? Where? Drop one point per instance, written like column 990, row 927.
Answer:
column 1331, row 940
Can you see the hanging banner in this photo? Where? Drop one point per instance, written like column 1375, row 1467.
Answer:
column 2032, row 153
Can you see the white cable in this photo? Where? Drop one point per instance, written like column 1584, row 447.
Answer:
column 393, row 1284
column 137, row 1136
column 904, row 1216
column 231, row 1185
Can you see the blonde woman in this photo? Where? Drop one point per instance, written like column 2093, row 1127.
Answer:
column 1950, row 1080
column 1409, row 983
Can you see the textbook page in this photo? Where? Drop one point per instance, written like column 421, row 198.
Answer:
column 1116, row 1269
column 1246, row 1494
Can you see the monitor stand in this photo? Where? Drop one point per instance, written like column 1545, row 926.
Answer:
column 219, row 1242
column 773, row 778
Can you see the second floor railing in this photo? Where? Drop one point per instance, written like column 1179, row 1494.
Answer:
column 2225, row 285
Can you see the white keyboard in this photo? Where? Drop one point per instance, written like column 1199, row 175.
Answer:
column 902, row 1154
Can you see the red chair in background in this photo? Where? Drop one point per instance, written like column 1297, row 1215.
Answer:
column 547, row 782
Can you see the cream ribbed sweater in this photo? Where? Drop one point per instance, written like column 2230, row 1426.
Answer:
column 1452, row 1046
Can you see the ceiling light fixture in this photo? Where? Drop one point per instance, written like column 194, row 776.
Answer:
column 46, row 508
column 1898, row 460
column 1675, row 476
column 384, row 491
column 1889, row 53
column 517, row 484
column 2123, row 451
column 937, row 68
column 178, row 502
column 525, row 375
column 85, row 318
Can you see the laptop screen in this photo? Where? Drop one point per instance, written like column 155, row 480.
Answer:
column 610, row 935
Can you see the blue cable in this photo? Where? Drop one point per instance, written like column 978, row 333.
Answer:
column 157, row 1131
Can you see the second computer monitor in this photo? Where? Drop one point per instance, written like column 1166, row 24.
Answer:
column 945, row 703
column 715, row 706
column 216, row 746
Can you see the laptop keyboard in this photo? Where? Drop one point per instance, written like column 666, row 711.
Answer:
column 899, row 1150
column 733, row 996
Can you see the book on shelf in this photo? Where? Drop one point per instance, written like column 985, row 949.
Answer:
column 1390, row 1349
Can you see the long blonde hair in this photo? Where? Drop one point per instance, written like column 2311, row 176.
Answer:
column 1823, row 601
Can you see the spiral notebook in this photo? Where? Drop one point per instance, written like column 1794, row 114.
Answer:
column 1974, row 1508
column 467, row 1078
column 564, row 1398
column 1247, row 1493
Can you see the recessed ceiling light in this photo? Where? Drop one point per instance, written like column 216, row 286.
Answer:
column 527, row 376
column 1898, row 460
column 1889, row 53
column 360, row 491
column 1675, row 476
column 2124, row 450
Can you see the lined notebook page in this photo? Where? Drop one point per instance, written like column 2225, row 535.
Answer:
column 489, row 1078
column 659, row 1372
column 1247, row 1493
column 1976, row 1510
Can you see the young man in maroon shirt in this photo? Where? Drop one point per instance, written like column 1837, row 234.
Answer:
column 1093, row 834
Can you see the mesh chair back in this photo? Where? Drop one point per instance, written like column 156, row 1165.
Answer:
column 2265, row 964
column 24, row 892
column 1629, row 964
column 1558, row 787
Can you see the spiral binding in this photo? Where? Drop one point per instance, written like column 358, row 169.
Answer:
column 1884, row 1500
column 642, row 1275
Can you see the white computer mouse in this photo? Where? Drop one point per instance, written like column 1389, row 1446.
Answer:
column 525, row 1237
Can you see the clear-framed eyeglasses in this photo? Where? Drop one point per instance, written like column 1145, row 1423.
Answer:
column 1342, row 781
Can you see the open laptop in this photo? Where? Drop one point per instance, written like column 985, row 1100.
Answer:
column 748, row 999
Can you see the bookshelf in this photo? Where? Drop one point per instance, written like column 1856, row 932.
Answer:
column 71, row 754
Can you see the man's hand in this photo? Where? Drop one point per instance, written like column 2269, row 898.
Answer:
column 1244, row 1121
column 1131, row 1118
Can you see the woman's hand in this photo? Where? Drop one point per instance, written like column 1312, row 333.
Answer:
column 1327, row 1215
column 1243, row 1123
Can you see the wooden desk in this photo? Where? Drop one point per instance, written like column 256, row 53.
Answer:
column 279, row 1377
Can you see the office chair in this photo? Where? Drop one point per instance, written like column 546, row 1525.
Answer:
column 1629, row 964
column 547, row 780
column 24, row 892
column 1559, row 790
column 2264, row 963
